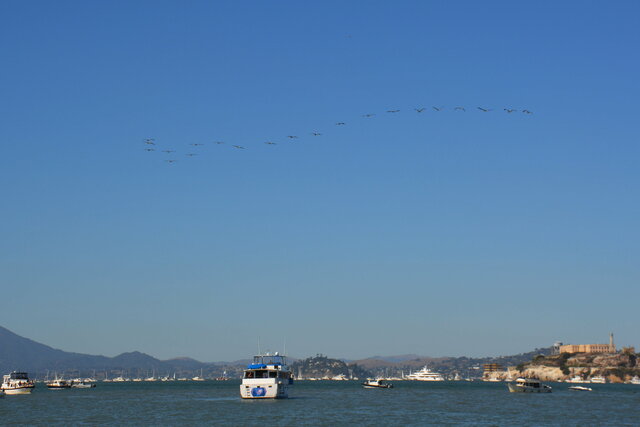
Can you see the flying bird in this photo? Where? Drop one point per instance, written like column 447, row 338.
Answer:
column 270, row 143
column 436, row 108
column 170, row 161
column 459, row 109
column 527, row 112
column 191, row 154
column 340, row 124
column 149, row 149
column 168, row 151
column 484, row 110
column 316, row 133
column 368, row 115
column 509, row 110
column 219, row 142
column 419, row 110
column 196, row 144
column 150, row 141
column 393, row 111
column 239, row 147
column 292, row 136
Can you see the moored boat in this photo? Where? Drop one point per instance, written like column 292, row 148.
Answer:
column 268, row 377
column 58, row 384
column 425, row 374
column 17, row 383
column 528, row 385
column 598, row 379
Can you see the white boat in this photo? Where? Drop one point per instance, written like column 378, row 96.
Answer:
column 598, row 380
column 198, row 377
column 17, row 383
column 58, row 384
column 268, row 377
column 377, row 383
column 580, row 388
column 528, row 385
column 635, row 380
column 80, row 383
column 576, row 380
column 424, row 374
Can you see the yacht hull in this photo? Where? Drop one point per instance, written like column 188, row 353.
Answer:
column 264, row 391
column 15, row 391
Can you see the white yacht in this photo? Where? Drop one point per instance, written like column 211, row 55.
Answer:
column 17, row 383
column 425, row 374
column 528, row 385
column 576, row 380
column 635, row 380
column 267, row 377
column 598, row 380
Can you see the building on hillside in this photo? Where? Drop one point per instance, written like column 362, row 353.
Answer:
column 491, row 367
column 556, row 347
column 590, row 348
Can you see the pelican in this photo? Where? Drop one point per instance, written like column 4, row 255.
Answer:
column 436, row 108
column 239, row 147
column 196, row 145
column 150, row 141
column 368, row 115
column 170, row 161
column 149, row 149
column 527, row 112
column 393, row 111
column 484, row 110
column 459, row 109
column 316, row 133
column 219, row 142
column 270, row 143
column 419, row 110
column 292, row 136
column 190, row 154
column 340, row 124
column 168, row 151
column 509, row 110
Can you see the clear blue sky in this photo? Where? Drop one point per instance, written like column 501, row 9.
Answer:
column 437, row 233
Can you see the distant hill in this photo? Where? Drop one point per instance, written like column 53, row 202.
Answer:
column 19, row 353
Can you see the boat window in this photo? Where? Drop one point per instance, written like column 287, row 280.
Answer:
column 273, row 374
column 248, row 374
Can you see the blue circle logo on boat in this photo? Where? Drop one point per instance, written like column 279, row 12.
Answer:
column 258, row 391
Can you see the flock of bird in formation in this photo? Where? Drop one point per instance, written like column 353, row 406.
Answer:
column 150, row 143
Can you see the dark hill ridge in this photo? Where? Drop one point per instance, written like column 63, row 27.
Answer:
column 19, row 353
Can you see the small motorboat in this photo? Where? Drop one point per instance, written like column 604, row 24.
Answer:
column 379, row 383
column 78, row 383
column 58, row 384
column 528, row 385
column 580, row 388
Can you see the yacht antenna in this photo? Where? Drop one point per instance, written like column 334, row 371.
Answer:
column 259, row 345
column 284, row 350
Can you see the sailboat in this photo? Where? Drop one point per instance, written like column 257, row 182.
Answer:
column 198, row 378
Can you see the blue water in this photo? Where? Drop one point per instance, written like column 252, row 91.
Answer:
column 324, row 403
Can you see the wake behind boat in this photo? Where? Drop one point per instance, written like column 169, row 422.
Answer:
column 267, row 377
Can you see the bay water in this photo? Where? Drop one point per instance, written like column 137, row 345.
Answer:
column 324, row 403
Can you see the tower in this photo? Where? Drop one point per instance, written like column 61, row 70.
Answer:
column 612, row 347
